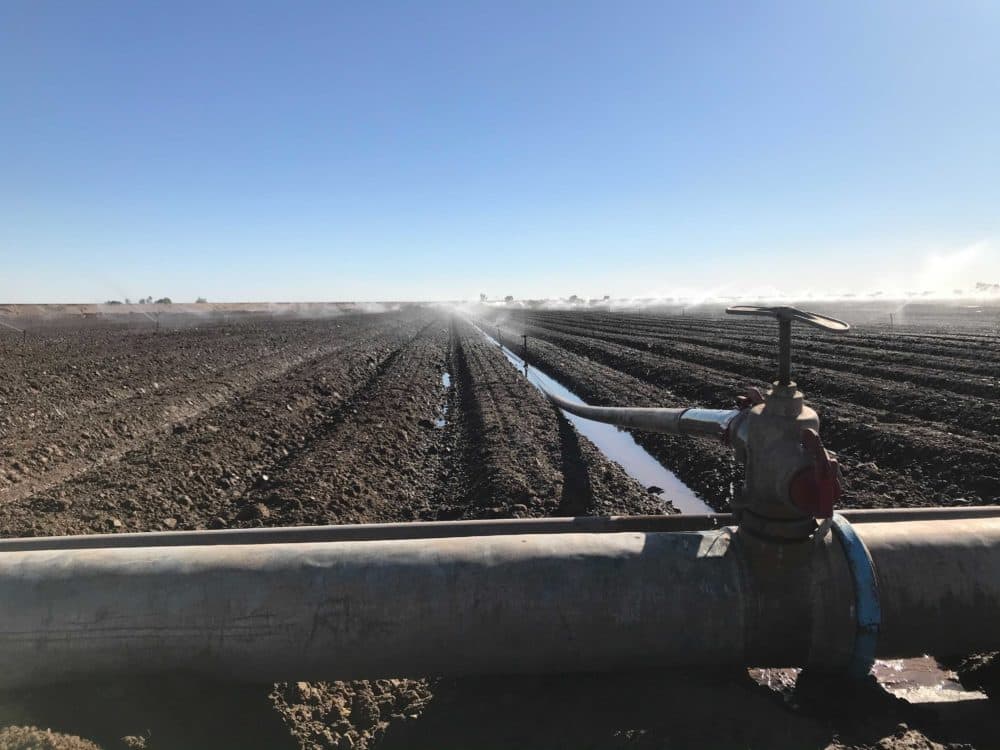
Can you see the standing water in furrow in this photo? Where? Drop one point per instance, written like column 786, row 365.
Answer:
column 616, row 444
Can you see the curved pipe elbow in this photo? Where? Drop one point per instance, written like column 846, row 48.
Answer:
column 713, row 423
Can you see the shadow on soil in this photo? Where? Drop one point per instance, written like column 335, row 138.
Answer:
column 170, row 712
column 674, row 709
column 578, row 494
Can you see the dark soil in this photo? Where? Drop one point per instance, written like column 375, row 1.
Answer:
column 348, row 420
column 907, row 434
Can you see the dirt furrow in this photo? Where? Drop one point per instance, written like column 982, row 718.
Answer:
column 191, row 476
column 526, row 459
column 811, row 348
column 40, row 453
column 921, row 401
column 887, row 462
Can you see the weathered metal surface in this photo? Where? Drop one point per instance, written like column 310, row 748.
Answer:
column 939, row 585
column 712, row 423
column 447, row 529
column 509, row 603
column 785, row 315
column 504, row 604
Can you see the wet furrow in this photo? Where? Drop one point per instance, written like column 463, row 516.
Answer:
column 887, row 462
column 525, row 458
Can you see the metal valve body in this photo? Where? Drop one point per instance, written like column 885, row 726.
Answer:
column 791, row 479
column 767, row 440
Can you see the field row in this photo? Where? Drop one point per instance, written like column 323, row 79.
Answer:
column 900, row 445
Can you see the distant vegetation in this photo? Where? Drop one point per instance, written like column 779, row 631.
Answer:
column 146, row 301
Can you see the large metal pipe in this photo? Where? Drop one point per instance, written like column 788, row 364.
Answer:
column 378, row 531
column 938, row 583
column 510, row 603
column 363, row 532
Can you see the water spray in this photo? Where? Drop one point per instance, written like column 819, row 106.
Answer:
column 155, row 320
column 22, row 331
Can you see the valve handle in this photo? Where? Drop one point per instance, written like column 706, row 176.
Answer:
column 782, row 312
column 816, row 488
column 785, row 315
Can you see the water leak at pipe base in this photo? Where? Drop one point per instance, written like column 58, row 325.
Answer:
column 918, row 680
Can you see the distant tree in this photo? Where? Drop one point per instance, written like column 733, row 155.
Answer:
column 128, row 301
column 482, row 297
column 509, row 298
column 574, row 299
column 607, row 297
column 164, row 301
column 112, row 302
column 201, row 301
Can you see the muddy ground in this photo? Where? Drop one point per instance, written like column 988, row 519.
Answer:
column 413, row 415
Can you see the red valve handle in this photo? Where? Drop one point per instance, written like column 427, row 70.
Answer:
column 816, row 488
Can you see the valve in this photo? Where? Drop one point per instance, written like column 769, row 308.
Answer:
column 785, row 316
column 790, row 479
column 814, row 489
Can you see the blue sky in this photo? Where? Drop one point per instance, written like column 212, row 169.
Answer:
column 333, row 150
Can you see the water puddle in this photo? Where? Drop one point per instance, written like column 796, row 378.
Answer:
column 917, row 680
column 922, row 680
column 442, row 420
column 616, row 444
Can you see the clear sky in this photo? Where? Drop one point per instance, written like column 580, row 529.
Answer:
column 427, row 150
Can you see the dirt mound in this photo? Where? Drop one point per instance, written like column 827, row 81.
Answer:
column 347, row 714
column 32, row 738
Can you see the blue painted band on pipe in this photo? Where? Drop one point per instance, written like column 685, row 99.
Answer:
column 867, row 609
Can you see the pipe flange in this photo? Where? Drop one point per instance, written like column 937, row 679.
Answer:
column 867, row 607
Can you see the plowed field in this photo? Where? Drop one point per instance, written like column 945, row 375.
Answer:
column 415, row 415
